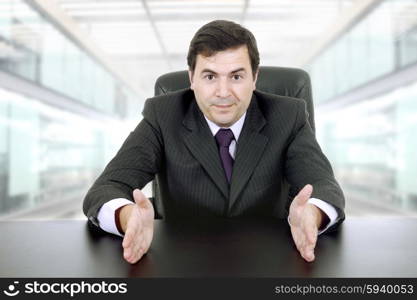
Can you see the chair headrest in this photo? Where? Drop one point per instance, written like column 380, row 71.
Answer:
column 281, row 81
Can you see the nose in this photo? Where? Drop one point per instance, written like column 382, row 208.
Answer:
column 223, row 88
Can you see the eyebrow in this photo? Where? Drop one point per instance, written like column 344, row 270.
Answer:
column 234, row 71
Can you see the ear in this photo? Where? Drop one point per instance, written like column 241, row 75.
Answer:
column 190, row 76
column 255, row 79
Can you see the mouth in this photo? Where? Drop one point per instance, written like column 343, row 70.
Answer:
column 222, row 106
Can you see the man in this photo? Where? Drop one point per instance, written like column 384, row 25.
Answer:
column 219, row 149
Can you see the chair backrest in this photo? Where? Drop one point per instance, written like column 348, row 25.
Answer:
column 289, row 82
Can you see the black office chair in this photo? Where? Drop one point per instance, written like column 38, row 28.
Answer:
column 289, row 82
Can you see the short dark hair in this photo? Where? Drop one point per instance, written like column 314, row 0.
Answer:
column 221, row 35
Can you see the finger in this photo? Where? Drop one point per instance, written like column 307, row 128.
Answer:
column 308, row 255
column 130, row 254
column 132, row 227
column 298, row 239
column 306, row 250
column 132, row 259
column 127, row 253
column 137, row 243
column 304, row 194
column 138, row 253
column 312, row 236
column 309, row 228
column 135, row 259
column 127, row 240
column 309, row 243
column 309, row 250
column 140, row 198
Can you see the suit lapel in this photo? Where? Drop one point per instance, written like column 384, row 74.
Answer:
column 250, row 147
column 201, row 143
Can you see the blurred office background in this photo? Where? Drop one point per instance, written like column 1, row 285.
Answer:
column 74, row 75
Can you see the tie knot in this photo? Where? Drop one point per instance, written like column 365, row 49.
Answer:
column 224, row 137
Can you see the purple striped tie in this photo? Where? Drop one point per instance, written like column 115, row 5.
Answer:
column 224, row 137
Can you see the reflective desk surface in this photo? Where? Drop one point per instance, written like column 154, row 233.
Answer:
column 362, row 247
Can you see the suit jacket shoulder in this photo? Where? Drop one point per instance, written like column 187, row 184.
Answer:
column 272, row 105
column 168, row 108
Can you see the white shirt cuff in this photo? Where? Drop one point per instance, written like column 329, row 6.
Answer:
column 106, row 215
column 327, row 208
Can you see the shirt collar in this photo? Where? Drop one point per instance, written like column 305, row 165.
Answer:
column 236, row 128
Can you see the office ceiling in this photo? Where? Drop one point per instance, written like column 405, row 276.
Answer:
column 146, row 38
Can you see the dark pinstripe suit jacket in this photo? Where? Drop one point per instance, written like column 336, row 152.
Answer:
column 276, row 149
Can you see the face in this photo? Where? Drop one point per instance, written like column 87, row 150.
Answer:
column 223, row 85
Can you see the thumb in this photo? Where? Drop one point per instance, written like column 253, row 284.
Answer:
column 304, row 194
column 140, row 198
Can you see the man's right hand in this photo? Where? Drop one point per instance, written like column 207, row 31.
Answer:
column 136, row 221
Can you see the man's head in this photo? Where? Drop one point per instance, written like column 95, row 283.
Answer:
column 223, row 63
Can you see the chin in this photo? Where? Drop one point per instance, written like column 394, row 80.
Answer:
column 224, row 122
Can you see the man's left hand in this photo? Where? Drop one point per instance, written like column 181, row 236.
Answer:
column 305, row 220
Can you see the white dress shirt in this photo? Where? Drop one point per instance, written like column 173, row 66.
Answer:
column 106, row 213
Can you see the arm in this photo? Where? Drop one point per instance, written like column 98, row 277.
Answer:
column 308, row 171
column 306, row 164
column 135, row 164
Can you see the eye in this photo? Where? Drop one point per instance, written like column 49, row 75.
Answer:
column 236, row 77
column 209, row 76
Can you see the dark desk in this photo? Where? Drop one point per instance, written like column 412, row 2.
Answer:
column 380, row 247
